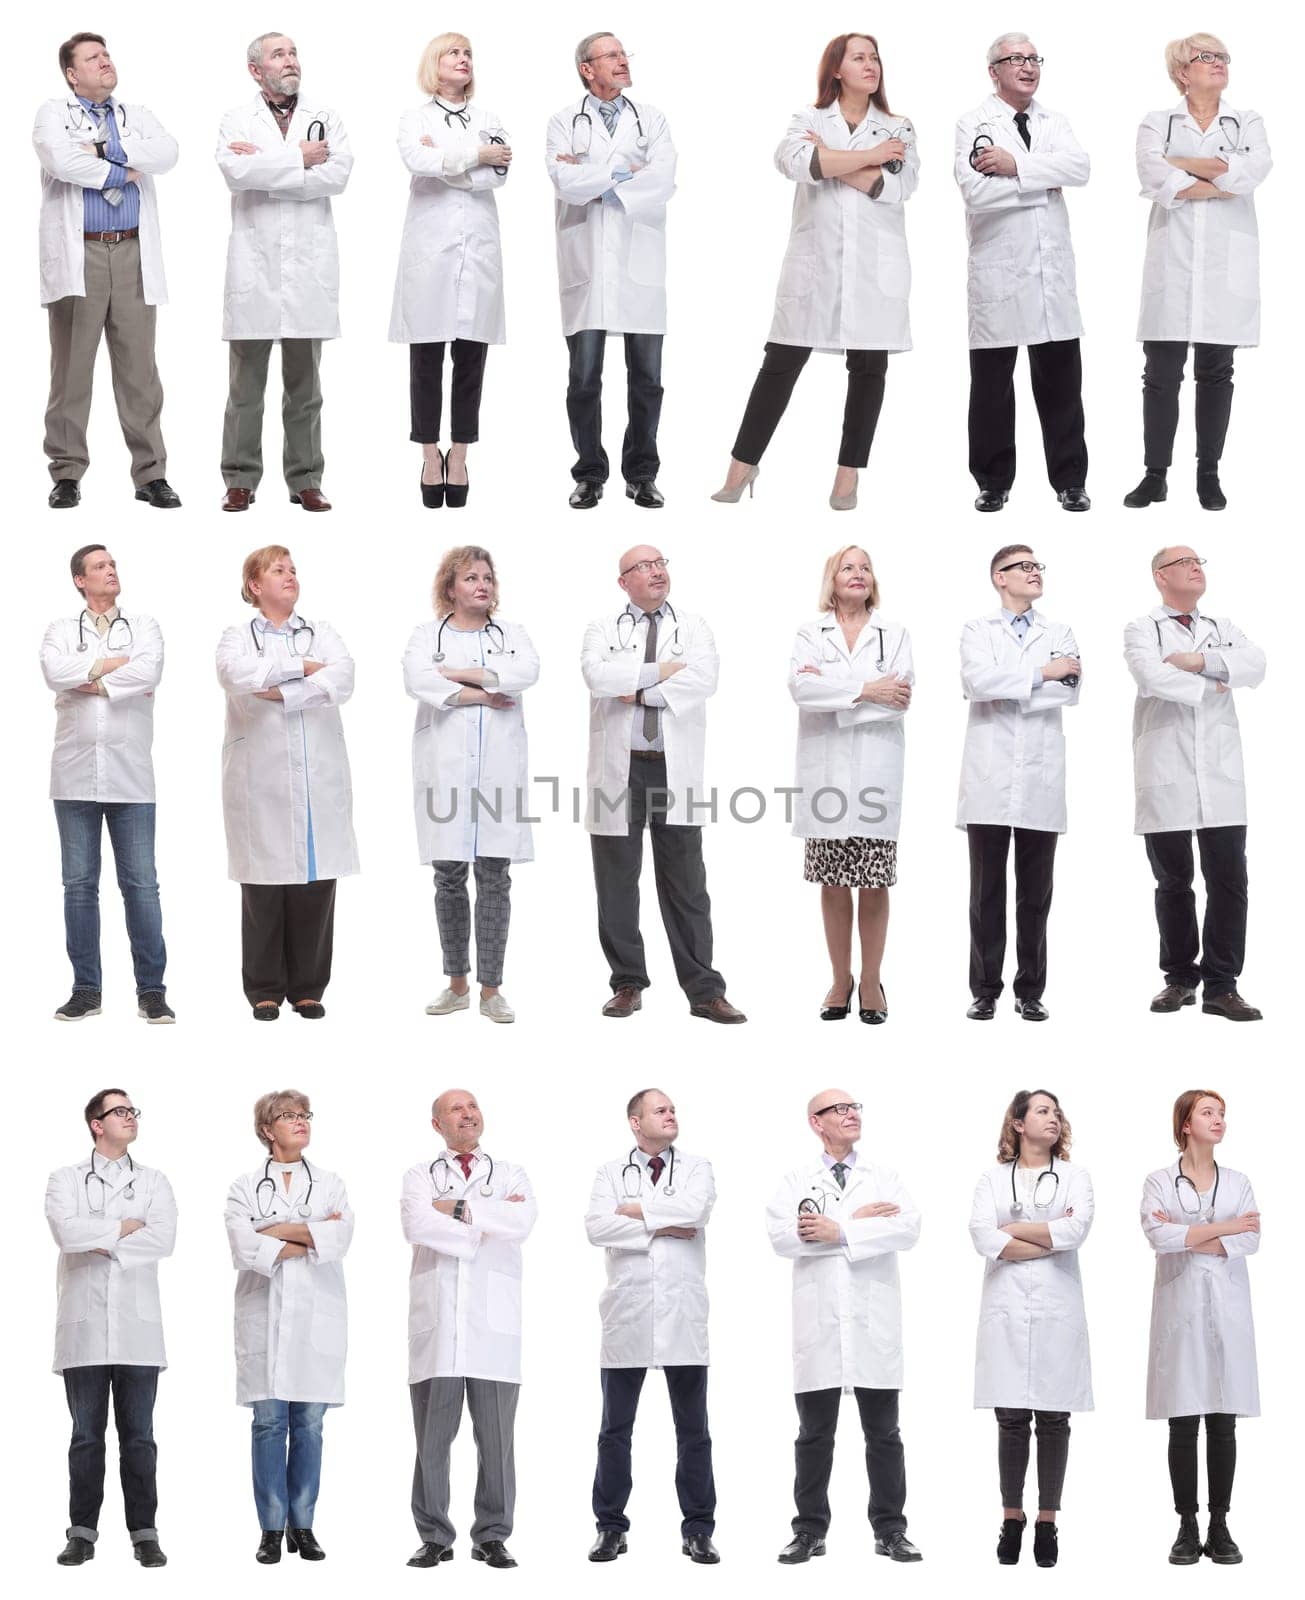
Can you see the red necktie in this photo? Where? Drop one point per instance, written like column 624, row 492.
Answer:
column 464, row 1161
column 655, row 1166
column 1185, row 617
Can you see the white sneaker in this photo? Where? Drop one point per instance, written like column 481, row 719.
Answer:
column 497, row 1009
column 449, row 1002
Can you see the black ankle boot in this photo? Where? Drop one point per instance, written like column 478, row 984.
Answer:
column 1153, row 488
column 1008, row 1545
column 1208, row 490
column 269, row 1549
column 1219, row 1544
column 1186, row 1549
column 1045, row 1547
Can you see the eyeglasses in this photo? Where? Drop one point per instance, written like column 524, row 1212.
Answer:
column 645, row 567
column 294, row 1116
column 1211, row 58
column 611, row 55
column 120, row 1111
column 842, row 1108
column 1183, row 561
column 1019, row 61
column 1024, row 566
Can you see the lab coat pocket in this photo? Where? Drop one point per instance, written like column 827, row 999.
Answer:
column 1243, row 264
column 1053, row 760
column 241, row 274
column 1150, row 768
column 806, row 1314
column 894, row 269
column 503, row 1303
column 797, row 278
column 979, row 740
column 573, row 264
column 251, row 1330
column 992, row 283
column 74, row 1292
column 647, row 254
column 330, row 1329
column 1228, row 755
column 147, row 1296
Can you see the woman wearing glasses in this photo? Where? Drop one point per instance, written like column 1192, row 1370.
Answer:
column 1031, row 1213
column 846, row 280
column 851, row 675
column 1202, row 1222
column 289, row 1226
column 1200, row 163
column 287, row 796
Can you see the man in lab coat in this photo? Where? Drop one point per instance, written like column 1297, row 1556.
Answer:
column 648, row 1212
column 283, row 158
column 465, row 1216
column 114, row 1221
column 1018, row 669
column 101, row 267
column 841, row 1221
column 1014, row 158
column 1187, row 774
column 612, row 165
column 104, row 668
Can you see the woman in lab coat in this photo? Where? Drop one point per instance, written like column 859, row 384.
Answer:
column 289, row 1226
column 1202, row 1222
column 851, row 675
column 846, row 280
column 1031, row 1213
column 286, row 791
column 470, row 768
column 1199, row 163
column 449, row 288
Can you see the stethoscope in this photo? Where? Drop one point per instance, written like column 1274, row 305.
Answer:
column 982, row 141
column 129, row 1192
column 829, row 659
column 462, row 115
column 1227, row 149
column 444, row 1185
column 1199, row 1209
column 321, row 130
column 489, row 627
column 898, row 132
column 1197, row 616
column 86, row 120
column 633, row 1165
column 1017, row 1205
column 111, row 643
column 583, row 116
column 304, row 633
column 268, row 1182
column 677, row 649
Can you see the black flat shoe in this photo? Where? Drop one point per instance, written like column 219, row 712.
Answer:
column 586, row 495
column 266, row 1011
column 1009, row 1540
column 1031, row 1010
column 149, row 1553
column 983, row 1009
column 432, row 494
column 898, row 1547
column 1186, row 1548
column 1046, row 1546
column 872, row 1014
column 159, row 493
column 493, row 1552
column 455, row 496
column 1073, row 500
column 645, row 494
column 77, row 1550
column 311, row 1009
column 301, row 1540
column 269, row 1548
column 991, row 499
column 1150, row 492
column 801, row 1547
column 830, row 1013
column 1208, row 489
column 609, row 1544
column 66, row 494
column 698, row 1547
column 430, row 1555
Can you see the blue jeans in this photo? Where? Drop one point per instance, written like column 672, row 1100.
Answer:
column 88, row 1390
column 584, row 405
column 286, row 1480
column 131, row 833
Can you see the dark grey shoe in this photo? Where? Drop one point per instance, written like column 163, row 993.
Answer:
column 81, row 1003
column 1153, row 488
column 153, row 1007
column 1173, row 997
column 76, row 1551
column 148, row 1553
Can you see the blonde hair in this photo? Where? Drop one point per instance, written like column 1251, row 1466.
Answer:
column 1008, row 1141
column 428, row 72
column 1185, row 1104
column 257, row 562
column 826, row 601
column 268, row 1107
column 1179, row 52
column 452, row 563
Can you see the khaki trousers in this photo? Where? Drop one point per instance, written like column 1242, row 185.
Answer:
column 301, row 413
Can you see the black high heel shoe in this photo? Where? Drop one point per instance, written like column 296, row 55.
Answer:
column 830, row 1013
column 455, row 494
column 269, row 1547
column 432, row 494
column 869, row 1013
column 300, row 1541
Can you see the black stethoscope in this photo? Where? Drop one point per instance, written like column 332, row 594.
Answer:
column 1199, row 1209
column 462, row 115
column 304, row 633
column 830, row 660
column 583, row 116
column 898, row 132
column 982, row 141
column 489, row 627
column 1197, row 616
column 635, row 1166
column 129, row 1192
column 677, row 649
column 1017, row 1205
column 86, row 120
column 268, row 1182
column 111, row 643
column 321, row 130
column 1228, row 149
column 444, row 1186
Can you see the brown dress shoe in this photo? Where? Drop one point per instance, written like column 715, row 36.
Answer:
column 717, row 1010
column 311, row 500
column 237, row 499
column 1173, row 997
column 624, row 1003
column 1232, row 1006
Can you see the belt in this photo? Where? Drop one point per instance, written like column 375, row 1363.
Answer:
column 111, row 238
column 647, row 755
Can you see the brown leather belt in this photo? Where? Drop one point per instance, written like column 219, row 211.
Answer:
column 647, row 755
column 111, row 238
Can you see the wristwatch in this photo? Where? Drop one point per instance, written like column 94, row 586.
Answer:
column 459, row 1209
column 100, row 146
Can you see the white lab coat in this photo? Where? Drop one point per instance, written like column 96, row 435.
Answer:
column 846, row 279
column 450, row 279
column 847, row 1303
column 1202, row 1355
column 284, row 761
column 611, row 661
column 283, row 263
column 1187, row 747
column 1013, row 766
column 62, row 127
column 464, row 1291
column 1032, row 1350
column 1021, row 262
column 109, row 1312
column 469, row 762
column 850, row 757
column 291, row 1319
column 1201, row 279
column 611, row 237
column 654, row 1308
column 102, row 742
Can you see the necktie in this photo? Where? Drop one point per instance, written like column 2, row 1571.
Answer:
column 650, row 654
column 839, row 1170
column 607, row 110
column 464, row 1161
column 101, row 114
column 655, row 1166
column 1022, row 123
column 1185, row 617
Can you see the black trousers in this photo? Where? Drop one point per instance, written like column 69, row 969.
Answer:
column 885, row 1461
column 426, row 390
column 133, row 1390
column 1214, row 957
column 1056, row 373
column 681, row 890
column 866, row 371
column 1161, row 380
column 695, row 1485
column 286, row 934
column 1035, row 856
column 1220, row 1461
column 584, row 405
column 1013, row 1455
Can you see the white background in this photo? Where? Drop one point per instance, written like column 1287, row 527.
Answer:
column 554, row 1086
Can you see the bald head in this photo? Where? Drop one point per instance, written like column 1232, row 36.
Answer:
column 1179, row 576
column 835, row 1119
column 646, row 588
column 456, row 1117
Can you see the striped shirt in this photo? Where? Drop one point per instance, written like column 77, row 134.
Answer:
column 99, row 213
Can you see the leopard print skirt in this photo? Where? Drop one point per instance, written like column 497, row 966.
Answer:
column 851, row 863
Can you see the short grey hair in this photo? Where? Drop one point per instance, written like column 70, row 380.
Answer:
column 255, row 51
column 586, row 45
column 996, row 50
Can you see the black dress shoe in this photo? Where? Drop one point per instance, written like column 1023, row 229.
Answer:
column 586, row 495
column 159, row 493
column 1046, row 1547
column 800, row 1548
column 149, row 1554
column 873, row 1014
column 1208, row 489
column 432, row 494
column 430, row 1555
column 269, row 1548
column 830, row 1013
column 1031, row 1010
column 303, row 1542
column 609, row 1544
column 1232, row 1006
column 1073, row 500
column 1009, row 1541
column 1173, row 997
column 645, row 494
column 77, row 1550
column 1186, row 1548
column 1219, row 1544
column 898, row 1547
column 1152, row 490
column 66, row 494
column 991, row 499
column 493, row 1552
column 984, row 1009
column 698, row 1547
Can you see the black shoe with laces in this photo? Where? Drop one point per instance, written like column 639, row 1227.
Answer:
column 65, row 495
column 1219, row 1544
column 269, row 1547
column 301, row 1542
column 800, row 1548
column 153, row 1007
column 1153, row 488
column 81, row 1003
column 493, row 1552
column 160, row 494
column 76, row 1551
column 149, row 1553
column 1186, row 1548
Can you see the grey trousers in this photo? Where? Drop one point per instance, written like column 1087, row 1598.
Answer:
column 493, row 913
column 436, row 1417
column 301, row 413
column 113, row 305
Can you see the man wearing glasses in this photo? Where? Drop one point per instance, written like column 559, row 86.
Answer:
column 113, row 1221
column 1013, row 160
column 1187, row 774
column 1018, row 669
column 841, row 1221
column 650, row 671
column 612, row 165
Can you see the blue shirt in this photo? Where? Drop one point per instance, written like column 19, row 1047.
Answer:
column 592, row 105
column 99, row 214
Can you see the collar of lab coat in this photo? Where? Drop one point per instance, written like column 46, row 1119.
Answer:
column 601, row 138
column 1202, row 625
column 823, row 1177
column 304, row 113
column 830, row 628
column 114, row 1177
column 1001, row 113
column 1181, row 111
column 294, row 620
column 1036, row 628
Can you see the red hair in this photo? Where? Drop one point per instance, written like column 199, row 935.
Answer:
column 827, row 72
